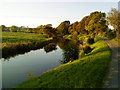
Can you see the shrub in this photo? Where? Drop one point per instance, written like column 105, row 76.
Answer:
column 110, row 34
column 81, row 41
column 82, row 53
column 90, row 40
column 87, row 49
column 74, row 36
column 93, row 35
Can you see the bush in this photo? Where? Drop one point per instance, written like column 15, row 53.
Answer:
column 82, row 53
column 69, row 36
column 81, row 41
column 93, row 35
column 87, row 49
column 110, row 34
column 90, row 41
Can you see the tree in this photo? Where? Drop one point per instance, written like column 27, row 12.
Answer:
column 40, row 26
column 13, row 28
column 113, row 19
column 81, row 26
column 72, row 28
column 22, row 28
column 63, row 28
column 48, row 30
column 96, row 22
column 2, row 27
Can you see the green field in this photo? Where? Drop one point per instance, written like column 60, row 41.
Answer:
column 19, row 37
column 88, row 71
column 14, row 43
column 11, row 37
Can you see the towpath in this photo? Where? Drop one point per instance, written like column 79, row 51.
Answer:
column 113, row 78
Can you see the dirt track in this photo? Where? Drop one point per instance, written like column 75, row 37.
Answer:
column 113, row 78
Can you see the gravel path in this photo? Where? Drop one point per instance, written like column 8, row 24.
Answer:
column 113, row 78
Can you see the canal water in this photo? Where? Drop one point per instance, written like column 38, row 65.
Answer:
column 18, row 69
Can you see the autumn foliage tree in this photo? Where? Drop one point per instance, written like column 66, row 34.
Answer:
column 48, row 30
column 113, row 19
column 72, row 28
column 96, row 23
column 81, row 26
column 63, row 28
column 93, row 24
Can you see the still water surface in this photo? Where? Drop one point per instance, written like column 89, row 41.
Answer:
column 16, row 70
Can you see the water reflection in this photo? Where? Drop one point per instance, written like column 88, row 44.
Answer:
column 50, row 47
column 70, row 49
column 7, row 53
column 7, row 57
column 16, row 70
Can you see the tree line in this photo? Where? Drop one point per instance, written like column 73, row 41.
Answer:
column 96, row 23
column 14, row 28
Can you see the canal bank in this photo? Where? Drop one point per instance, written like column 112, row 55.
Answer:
column 88, row 71
column 24, row 67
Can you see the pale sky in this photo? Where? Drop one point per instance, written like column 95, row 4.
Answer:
column 33, row 13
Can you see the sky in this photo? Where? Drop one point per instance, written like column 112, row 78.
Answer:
column 33, row 13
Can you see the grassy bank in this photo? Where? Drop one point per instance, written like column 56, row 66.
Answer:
column 9, row 38
column 86, row 72
column 14, row 49
column 14, row 43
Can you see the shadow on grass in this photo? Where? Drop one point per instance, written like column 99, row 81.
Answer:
column 100, row 50
column 98, row 39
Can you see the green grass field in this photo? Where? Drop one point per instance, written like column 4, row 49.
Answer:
column 86, row 72
column 19, row 37
column 14, row 43
column 11, row 37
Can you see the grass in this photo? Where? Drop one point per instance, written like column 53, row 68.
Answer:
column 116, row 40
column 78, row 37
column 14, row 43
column 86, row 72
column 19, row 37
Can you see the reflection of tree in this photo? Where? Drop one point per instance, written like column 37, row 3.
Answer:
column 50, row 47
column 7, row 57
column 70, row 50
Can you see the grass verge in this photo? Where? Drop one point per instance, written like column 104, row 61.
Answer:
column 14, row 43
column 21, row 48
column 9, row 38
column 116, row 40
column 86, row 72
